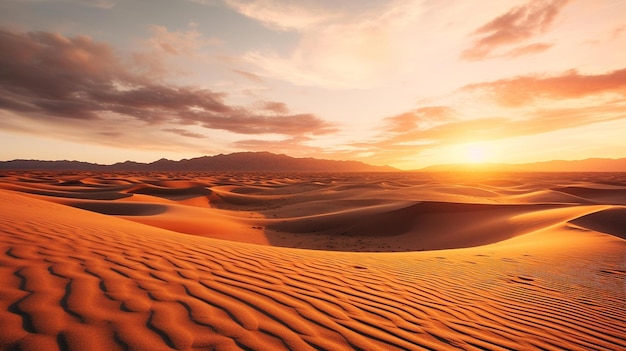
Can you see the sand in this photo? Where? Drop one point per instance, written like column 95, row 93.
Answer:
column 93, row 261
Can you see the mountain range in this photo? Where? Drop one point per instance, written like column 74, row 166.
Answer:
column 270, row 162
column 235, row 162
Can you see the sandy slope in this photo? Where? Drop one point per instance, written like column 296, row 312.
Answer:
column 75, row 279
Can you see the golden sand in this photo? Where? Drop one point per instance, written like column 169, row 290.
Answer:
column 137, row 262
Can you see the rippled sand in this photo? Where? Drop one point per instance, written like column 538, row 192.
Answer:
column 223, row 261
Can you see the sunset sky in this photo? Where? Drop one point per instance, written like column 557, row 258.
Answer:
column 404, row 83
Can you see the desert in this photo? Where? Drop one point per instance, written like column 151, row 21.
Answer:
column 266, row 175
column 312, row 261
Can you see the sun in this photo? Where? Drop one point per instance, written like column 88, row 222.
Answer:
column 476, row 153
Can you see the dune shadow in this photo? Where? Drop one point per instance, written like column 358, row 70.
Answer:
column 121, row 208
column 611, row 221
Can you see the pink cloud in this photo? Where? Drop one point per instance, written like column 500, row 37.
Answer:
column 519, row 24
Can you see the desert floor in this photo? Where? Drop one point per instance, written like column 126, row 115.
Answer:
column 395, row 261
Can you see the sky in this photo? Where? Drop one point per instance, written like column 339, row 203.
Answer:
column 404, row 83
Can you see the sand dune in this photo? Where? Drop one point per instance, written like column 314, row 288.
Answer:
column 522, row 262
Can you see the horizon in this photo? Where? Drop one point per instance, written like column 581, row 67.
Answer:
column 476, row 166
column 408, row 84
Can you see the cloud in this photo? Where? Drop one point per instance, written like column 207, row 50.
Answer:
column 188, row 42
column 350, row 45
column 418, row 119
column 570, row 85
column 528, row 50
column 242, row 122
column 517, row 25
column 283, row 15
column 496, row 110
column 251, row 76
column 295, row 146
column 184, row 132
column 103, row 4
column 618, row 32
column 75, row 80
column 274, row 107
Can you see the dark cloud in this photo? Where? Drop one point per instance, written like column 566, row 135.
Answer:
column 253, row 124
column 519, row 24
column 58, row 79
column 525, row 89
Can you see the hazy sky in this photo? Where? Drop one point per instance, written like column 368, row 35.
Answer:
column 405, row 83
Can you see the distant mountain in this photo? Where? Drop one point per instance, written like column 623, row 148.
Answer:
column 236, row 162
column 588, row 165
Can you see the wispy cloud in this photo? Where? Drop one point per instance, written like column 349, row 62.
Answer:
column 515, row 26
column 57, row 79
column 250, row 76
column 350, row 45
column 284, row 15
column 189, row 42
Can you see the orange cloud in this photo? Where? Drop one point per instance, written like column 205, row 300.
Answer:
column 519, row 24
column 525, row 89
column 57, row 79
column 404, row 137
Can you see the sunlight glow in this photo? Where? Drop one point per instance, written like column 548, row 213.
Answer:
column 476, row 153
